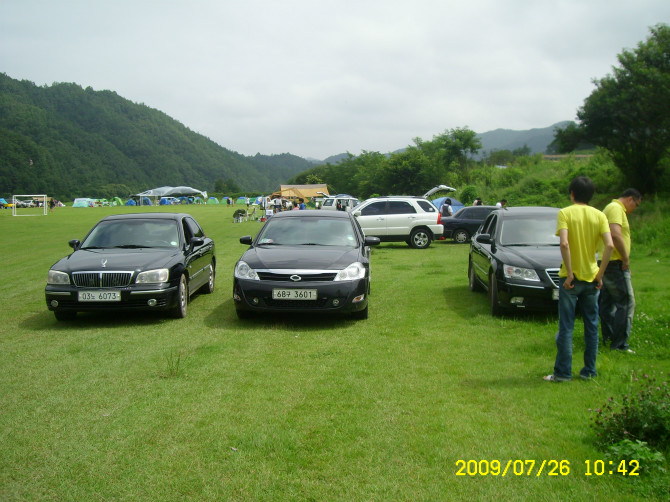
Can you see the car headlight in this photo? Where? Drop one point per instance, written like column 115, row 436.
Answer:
column 56, row 277
column 352, row 272
column 153, row 276
column 244, row 271
column 520, row 273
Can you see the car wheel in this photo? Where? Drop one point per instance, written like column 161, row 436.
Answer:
column 474, row 285
column 496, row 310
column 181, row 308
column 209, row 287
column 360, row 314
column 461, row 236
column 65, row 315
column 419, row 239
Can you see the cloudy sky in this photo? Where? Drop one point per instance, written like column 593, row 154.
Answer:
column 321, row 77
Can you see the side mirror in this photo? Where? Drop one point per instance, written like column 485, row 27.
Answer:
column 246, row 240
column 372, row 241
column 74, row 244
column 483, row 238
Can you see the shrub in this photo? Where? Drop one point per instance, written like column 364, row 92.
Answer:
column 648, row 461
column 644, row 416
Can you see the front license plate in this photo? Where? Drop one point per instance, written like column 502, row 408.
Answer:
column 554, row 294
column 294, row 294
column 99, row 296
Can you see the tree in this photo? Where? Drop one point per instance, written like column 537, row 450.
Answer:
column 629, row 112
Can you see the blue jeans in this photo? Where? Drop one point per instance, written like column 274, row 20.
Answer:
column 617, row 306
column 583, row 297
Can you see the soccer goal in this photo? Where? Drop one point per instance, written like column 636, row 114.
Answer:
column 29, row 205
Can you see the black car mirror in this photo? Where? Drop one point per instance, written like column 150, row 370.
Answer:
column 372, row 241
column 74, row 244
column 483, row 238
column 246, row 240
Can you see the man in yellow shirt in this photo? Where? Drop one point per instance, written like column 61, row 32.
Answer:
column 580, row 228
column 617, row 300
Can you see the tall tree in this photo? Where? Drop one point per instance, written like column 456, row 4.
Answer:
column 629, row 112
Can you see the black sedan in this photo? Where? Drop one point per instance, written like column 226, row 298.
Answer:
column 151, row 261
column 465, row 222
column 305, row 261
column 516, row 257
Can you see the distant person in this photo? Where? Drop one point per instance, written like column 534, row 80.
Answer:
column 302, row 206
column 617, row 300
column 580, row 228
column 502, row 203
column 477, row 202
column 446, row 209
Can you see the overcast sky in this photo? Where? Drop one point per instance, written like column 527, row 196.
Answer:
column 321, row 77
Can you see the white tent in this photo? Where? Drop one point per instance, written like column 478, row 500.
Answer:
column 172, row 192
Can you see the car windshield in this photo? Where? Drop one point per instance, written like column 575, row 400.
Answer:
column 529, row 232
column 308, row 232
column 133, row 233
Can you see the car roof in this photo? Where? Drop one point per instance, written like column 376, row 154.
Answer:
column 144, row 216
column 312, row 214
column 522, row 211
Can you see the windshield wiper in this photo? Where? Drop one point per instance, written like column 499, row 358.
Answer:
column 132, row 246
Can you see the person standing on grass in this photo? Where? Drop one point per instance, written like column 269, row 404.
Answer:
column 580, row 228
column 617, row 300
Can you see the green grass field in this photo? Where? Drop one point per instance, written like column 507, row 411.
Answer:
column 143, row 407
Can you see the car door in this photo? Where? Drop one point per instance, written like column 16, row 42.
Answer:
column 481, row 252
column 372, row 218
column 198, row 257
column 401, row 217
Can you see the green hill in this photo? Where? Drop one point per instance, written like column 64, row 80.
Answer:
column 67, row 141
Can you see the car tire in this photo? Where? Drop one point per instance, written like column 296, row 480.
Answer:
column 472, row 278
column 419, row 238
column 461, row 236
column 496, row 310
column 181, row 309
column 360, row 315
column 65, row 315
column 208, row 288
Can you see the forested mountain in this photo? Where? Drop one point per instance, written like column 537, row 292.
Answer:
column 536, row 140
column 67, row 141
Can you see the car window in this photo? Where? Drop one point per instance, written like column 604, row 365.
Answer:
column 374, row 208
column 133, row 233
column 328, row 202
column 400, row 207
column 427, row 206
column 308, row 232
column 489, row 225
column 529, row 232
column 479, row 212
column 194, row 228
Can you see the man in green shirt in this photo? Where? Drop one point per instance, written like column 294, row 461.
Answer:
column 617, row 300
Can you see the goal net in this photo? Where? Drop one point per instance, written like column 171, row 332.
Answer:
column 29, row 205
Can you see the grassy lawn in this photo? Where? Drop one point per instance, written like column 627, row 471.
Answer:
column 142, row 407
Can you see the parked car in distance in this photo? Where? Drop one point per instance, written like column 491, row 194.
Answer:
column 305, row 261
column 151, row 261
column 465, row 222
column 400, row 219
column 341, row 202
column 516, row 256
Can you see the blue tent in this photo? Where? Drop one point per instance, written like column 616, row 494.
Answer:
column 131, row 202
column 455, row 204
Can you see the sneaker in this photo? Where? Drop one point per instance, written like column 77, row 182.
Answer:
column 554, row 378
column 629, row 351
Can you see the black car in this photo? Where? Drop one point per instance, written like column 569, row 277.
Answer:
column 152, row 261
column 465, row 222
column 305, row 261
column 516, row 257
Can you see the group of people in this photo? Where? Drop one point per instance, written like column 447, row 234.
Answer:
column 595, row 276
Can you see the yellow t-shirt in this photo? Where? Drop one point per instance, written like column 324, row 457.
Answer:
column 616, row 213
column 585, row 225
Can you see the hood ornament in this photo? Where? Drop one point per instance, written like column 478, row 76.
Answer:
column 103, row 262
column 295, row 278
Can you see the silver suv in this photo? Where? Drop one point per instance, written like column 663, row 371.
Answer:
column 400, row 218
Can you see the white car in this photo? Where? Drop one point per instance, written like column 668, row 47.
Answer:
column 342, row 202
column 414, row 220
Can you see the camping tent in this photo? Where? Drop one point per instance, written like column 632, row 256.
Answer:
column 301, row 191
column 455, row 204
column 241, row 200
column 212, row 200
column 116, row 201
column 83, row 202
column 172, row 191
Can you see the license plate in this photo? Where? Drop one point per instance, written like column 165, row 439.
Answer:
column 99, row 296
column 554, row 294
column 294, row 294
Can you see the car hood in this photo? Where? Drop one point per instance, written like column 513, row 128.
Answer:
column 116, row 259
column 301, row 257
column 540, row 257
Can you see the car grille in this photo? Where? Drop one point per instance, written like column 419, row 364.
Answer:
column 101, row 279
column 286, row 276
column 296, row 304
column 553, row 275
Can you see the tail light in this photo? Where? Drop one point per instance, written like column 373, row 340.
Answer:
column 439, row 218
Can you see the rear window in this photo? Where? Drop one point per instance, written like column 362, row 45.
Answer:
column 427, row 206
